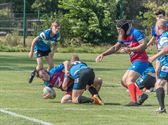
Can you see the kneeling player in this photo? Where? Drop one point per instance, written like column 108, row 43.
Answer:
column 55, row 78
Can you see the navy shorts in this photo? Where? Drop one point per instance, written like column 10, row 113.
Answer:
column 39, row 53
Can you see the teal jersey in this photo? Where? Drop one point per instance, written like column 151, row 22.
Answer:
column 45, row 40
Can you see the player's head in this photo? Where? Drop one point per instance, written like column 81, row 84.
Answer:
column 43, row 74
column 123, row 28
column 55, row 26
column 160, row 26
column 75, row 58
column 160, row 14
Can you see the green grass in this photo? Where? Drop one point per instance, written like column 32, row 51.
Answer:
column 18, row 96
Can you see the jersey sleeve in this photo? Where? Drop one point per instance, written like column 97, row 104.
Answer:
column 58, row 36
column 153, row 31
column 58, row 68
column 138, row 36
column 42, row 36
column 164, row 41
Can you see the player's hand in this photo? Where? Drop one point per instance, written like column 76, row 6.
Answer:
column 99, row 58
column 67, row 73
column 151, row 59
column 52, row 54
column 125, row 50
column 30, row 54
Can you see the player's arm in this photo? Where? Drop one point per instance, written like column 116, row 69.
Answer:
column 159, row 54
column 32, row 47
column 140, row 47
column 66, row 76
column 110, row 51
column 151, row 41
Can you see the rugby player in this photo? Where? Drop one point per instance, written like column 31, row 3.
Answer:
column 162, row 57
column 41, row 47
column 132, row 42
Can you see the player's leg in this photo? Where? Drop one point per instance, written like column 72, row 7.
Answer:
column 49, row 60
column 123, row 80
column 97, row 83
column 78, row 98
column 134, row 72
column 160, row 93
column 157, row 68
column 67, row 98
column 131, row 78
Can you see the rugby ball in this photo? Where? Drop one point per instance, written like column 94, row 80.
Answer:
column 49, row 93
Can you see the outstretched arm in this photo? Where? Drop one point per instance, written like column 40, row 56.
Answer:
column 159, row 54
column 110, row 51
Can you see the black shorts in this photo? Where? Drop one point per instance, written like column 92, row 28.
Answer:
column 39, row 53
column 149, row 82
column 86, row 77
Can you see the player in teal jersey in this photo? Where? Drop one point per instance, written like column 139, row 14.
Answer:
column 41, row 47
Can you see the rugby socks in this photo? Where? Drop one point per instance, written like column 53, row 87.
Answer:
column 92, row 91
column 138, row 91
column 132, row 90
column 83, row 99
column 160, row 97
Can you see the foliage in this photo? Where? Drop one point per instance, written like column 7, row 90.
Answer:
column 91, row 20
column 148, row 18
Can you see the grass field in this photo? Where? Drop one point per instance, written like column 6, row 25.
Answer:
column 21, row 103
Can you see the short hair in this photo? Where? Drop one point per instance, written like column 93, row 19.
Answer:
column 160, row 11
column 75, row 58
column 55, row 23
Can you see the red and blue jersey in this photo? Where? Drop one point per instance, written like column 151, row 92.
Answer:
column 57, row 78
column 45, row 40
column 132, row 40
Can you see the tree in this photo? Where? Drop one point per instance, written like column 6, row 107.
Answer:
column 91, row 20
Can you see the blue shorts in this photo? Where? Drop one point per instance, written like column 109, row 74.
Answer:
column 163, row 74
column 139, row 66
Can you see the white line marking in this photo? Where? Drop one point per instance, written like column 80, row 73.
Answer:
column 25, row 117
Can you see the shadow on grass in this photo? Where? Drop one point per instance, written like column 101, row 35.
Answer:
column 109, row 103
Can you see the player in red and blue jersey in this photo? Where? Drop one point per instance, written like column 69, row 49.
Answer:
column 41, row 47
column 132, row 41
column 162, row 57
column 55, row 78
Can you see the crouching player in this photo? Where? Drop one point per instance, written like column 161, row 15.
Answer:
column 146, row 82
column 55, row 78
column 83, row 76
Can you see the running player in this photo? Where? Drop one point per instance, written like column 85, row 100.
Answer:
column 41, row 47
column 162, row 56
column 134, row 44
column 160, row 14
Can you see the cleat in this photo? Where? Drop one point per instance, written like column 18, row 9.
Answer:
column 33, row 73
column 160, row 110
column 97, row 100
column 132, row 104
column 142, row 99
